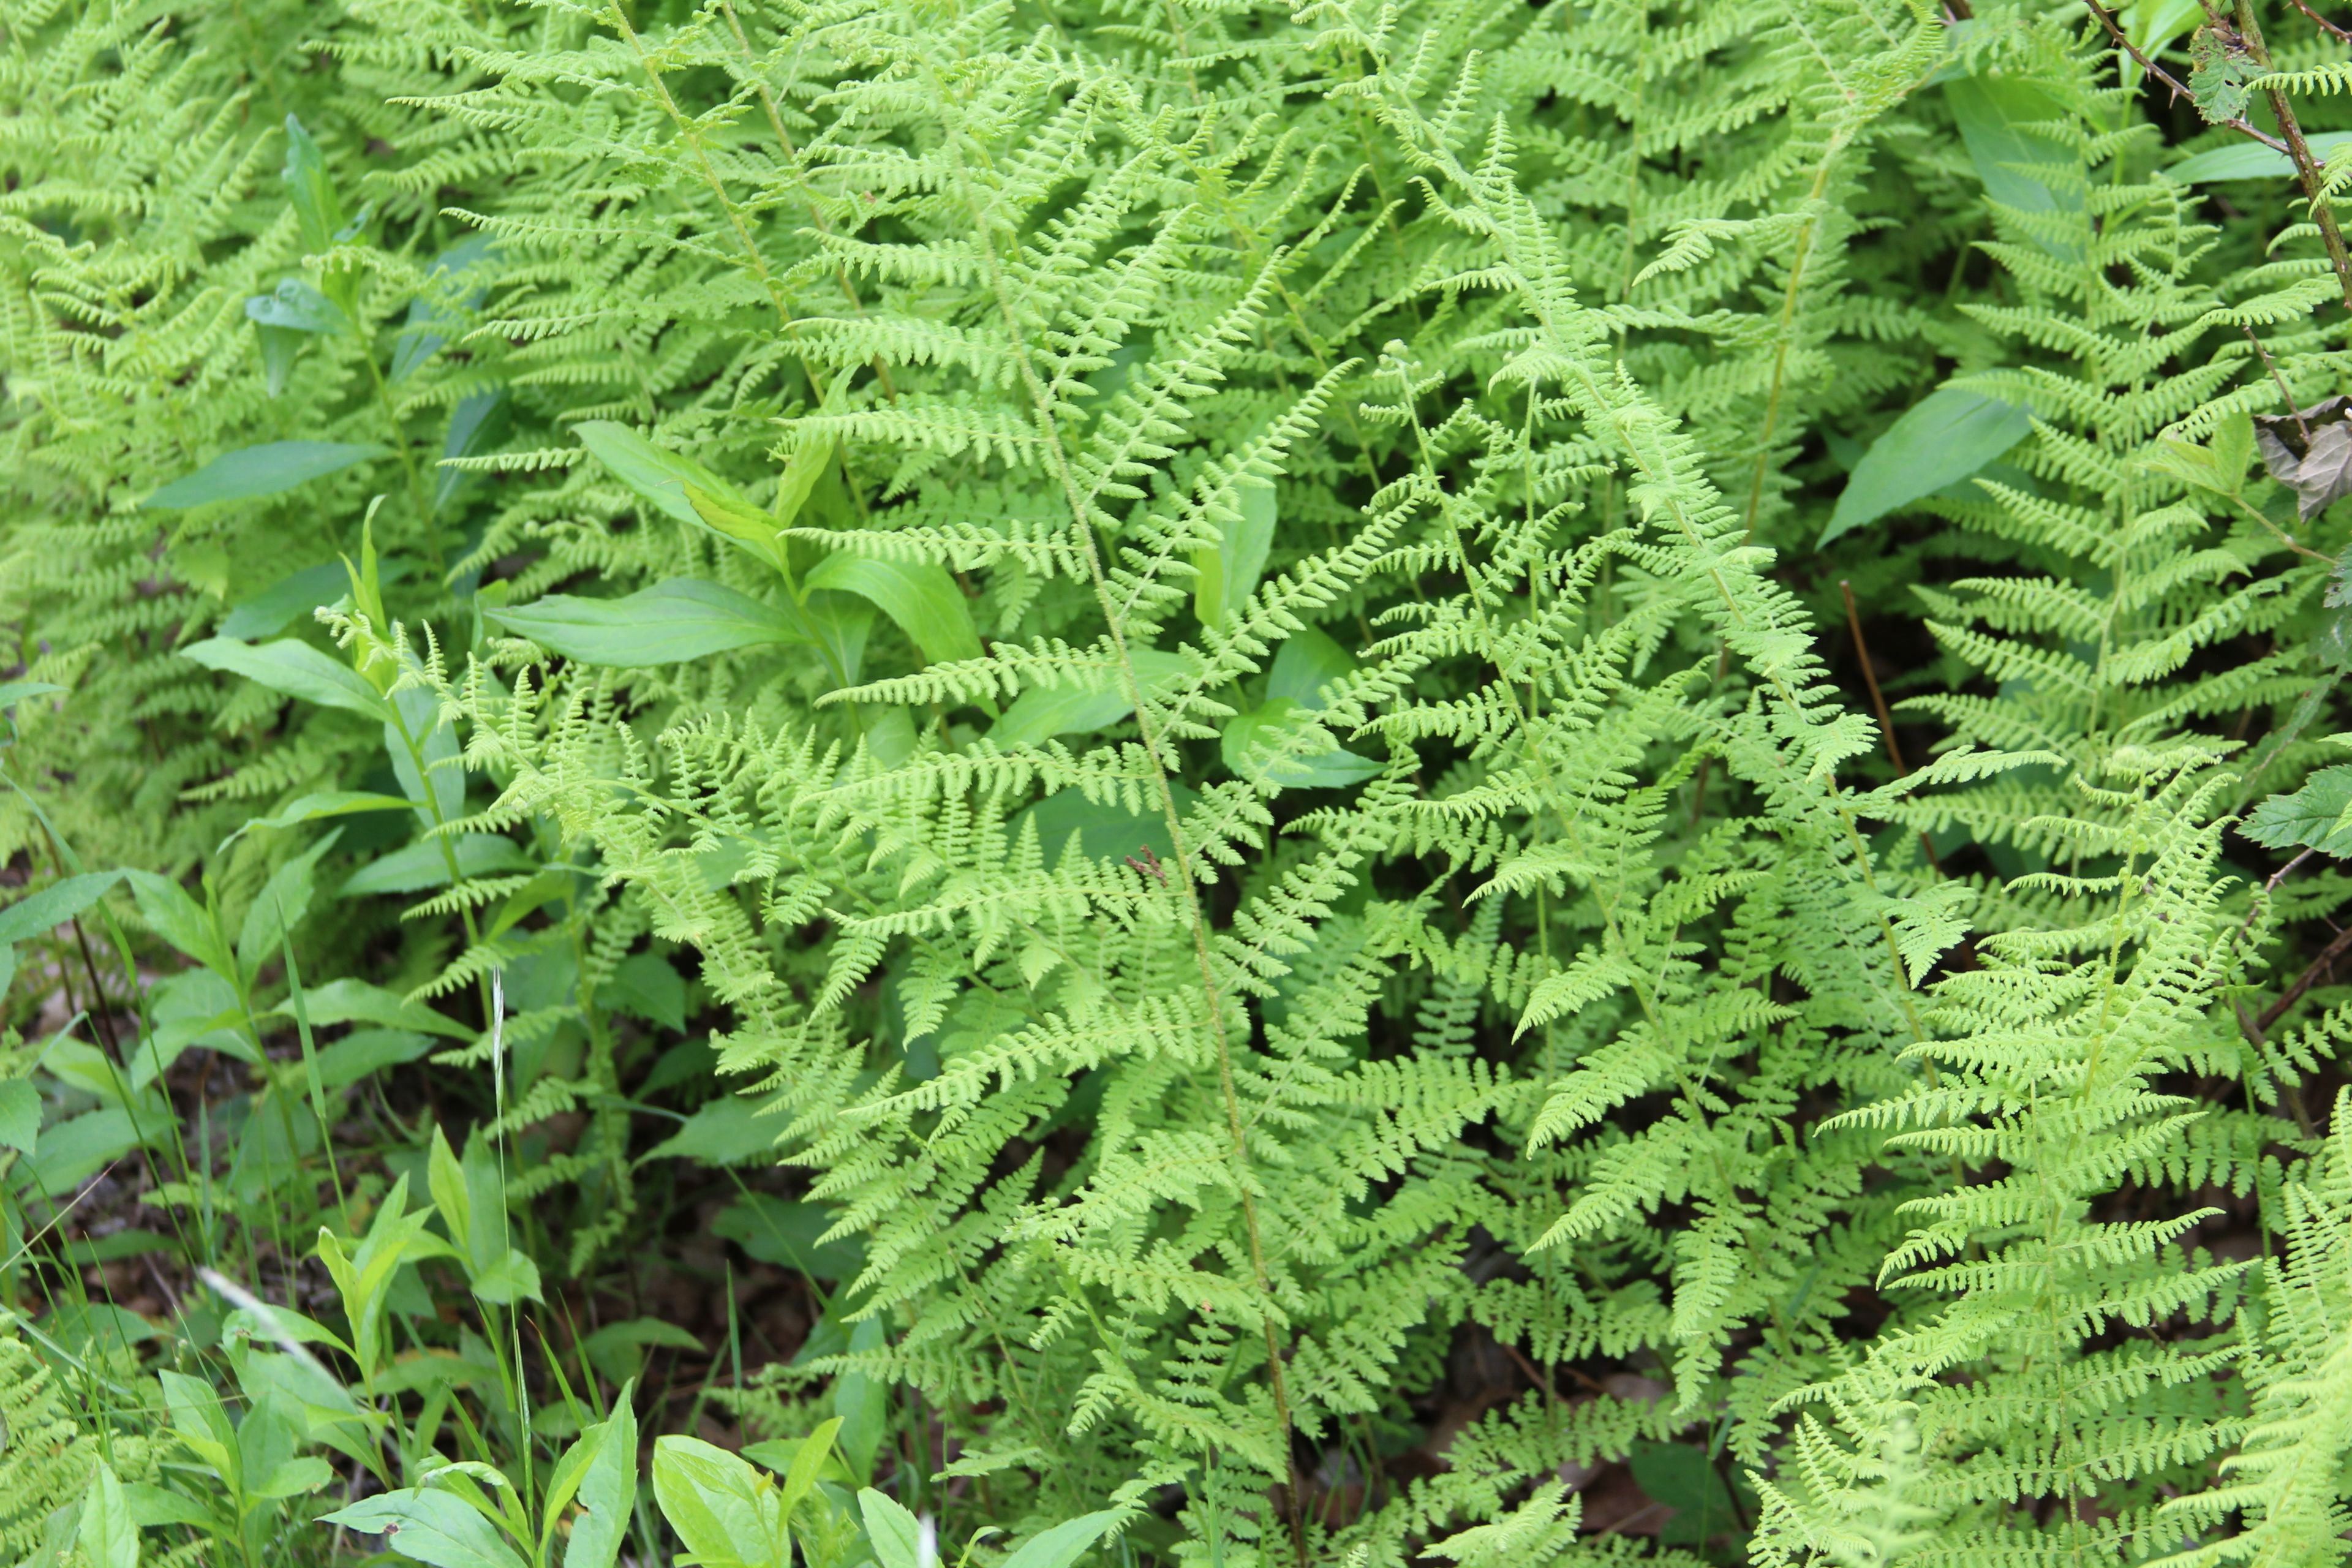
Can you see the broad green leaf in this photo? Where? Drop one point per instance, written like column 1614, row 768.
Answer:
column 475, row 424
column 265, row 470
column 726, row 1514
column 295, row 307
column 1306, row 662
column 1258, row 746
column 1993, row 114
column 328, row 803
column 276, row 607
column 295, row 668
column 839, row 624
column 197, row 1007
column 54, row 905
column 280, row 907
column 73, row 1150
column 109, row 1537
column 729, row 1130
column 1045, row 710
column 2248, row 161
column 658, row 476
column 201, row 1425
column 438, row 792
column 15, row 692
column 425, row 864
column 431, row 316
column 178, row 919
column 297, row 1477
column 311, row 189
column 618, row 1350
column 670, row 623
column 349, row 1001
column 1229, row 573
column 919, row 595
column 1065, row 1543
column 563, row 1482
column 1943, row 438
column 862, row 1404
column 285, row 321
column 430, row 1526
column 2221, row 75
column 740, row 523
column 2317, row 816
column 895, row 1534
column 646, row 986
column 20, row 1115
column 810, row 463
column 1103, row 829
column 154, row 1505
column 453, row 1197
column 2152, row 25
column 785, row 1232
column 366, row 1052
column 607, row 1490
column 511, row 1278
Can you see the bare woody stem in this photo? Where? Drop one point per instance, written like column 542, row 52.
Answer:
column 1878, row 706
column 2306, row 167
column 2157, row 73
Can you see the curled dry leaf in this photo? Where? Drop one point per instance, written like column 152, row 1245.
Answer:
column 2310, row 451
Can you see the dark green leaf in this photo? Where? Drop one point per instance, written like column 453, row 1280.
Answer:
column 730, row 1131
column 295, row 668
column 1306, row 662
column 1065, row 1543
column 1264, row 747
column 425, row 864
column 670, row 623
column 2218, row 69
column 1103, row 829
column 656, row 475
column 646, row 986
column 2249, row 160
column 264, row 471
column 429, row 1526
column 311, row 189
column 349, row 1001
column 54, row 905
column 919, row 595
column 276, row 607
column 1994, row 115
column 1944, row 437
column 785, row 1232
column 20, row 1115
column 2317, row 816
column 1043, row 711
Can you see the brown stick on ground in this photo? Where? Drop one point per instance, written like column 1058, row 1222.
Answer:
column 1878, row 706
column 2304, row 981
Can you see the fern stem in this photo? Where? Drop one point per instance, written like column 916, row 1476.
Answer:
column 693, row 139
column 422, row 502
column 1178, row 851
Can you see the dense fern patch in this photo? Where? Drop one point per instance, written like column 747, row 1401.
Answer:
column 882, row 781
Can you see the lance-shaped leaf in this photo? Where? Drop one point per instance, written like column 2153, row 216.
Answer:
column 918, row 595
column 251, row 472
column 296, row 669
column 1941, row 440
column 670, row 623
